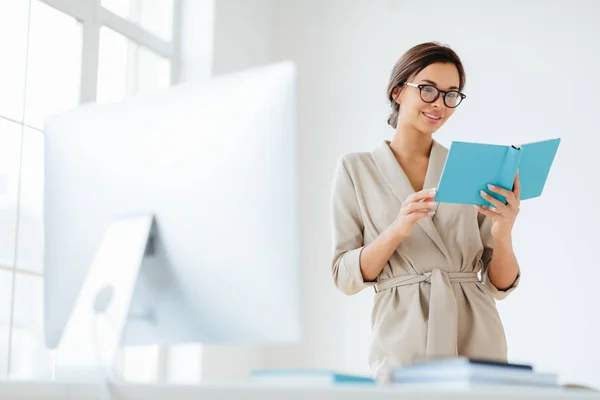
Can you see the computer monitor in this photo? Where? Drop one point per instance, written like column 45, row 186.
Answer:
column 216, row 165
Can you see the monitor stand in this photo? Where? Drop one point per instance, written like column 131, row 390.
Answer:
column 93, row 334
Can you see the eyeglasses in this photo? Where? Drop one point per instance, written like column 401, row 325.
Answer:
column 429, row 94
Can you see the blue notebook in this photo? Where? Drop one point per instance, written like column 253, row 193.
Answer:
column 470, row 167
column 308, row 377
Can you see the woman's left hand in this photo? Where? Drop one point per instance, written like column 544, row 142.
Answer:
column 502, row 215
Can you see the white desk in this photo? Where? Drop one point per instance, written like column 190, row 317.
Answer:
column 48, row 390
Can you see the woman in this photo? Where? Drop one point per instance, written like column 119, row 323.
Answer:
column 421, row 258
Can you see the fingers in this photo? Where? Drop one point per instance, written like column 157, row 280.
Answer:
column 492, row 200
column 422, row 195
column 419, row 214
column 507, row 194
column 487, row 212
column 418, row 207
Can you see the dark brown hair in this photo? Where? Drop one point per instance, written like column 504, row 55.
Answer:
column 414, row 61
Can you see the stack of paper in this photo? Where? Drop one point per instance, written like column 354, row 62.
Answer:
column 464, row 370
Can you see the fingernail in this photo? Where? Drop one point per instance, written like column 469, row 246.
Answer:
column 432, row 192
column 484, row 194
column 492, row 186
column 432, row 204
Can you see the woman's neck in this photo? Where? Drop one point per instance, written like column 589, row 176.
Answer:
column 409, row 143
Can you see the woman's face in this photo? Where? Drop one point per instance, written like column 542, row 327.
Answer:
column 414, row 111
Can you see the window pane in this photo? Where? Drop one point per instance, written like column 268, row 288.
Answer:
column 127, row 69
column 29, row 357
column 155, row 16
column 153, row 72
column 112, row 67
column 5, row 296
column 54, row 63
column 13, row 42
column 10, row 151
column 30, row 234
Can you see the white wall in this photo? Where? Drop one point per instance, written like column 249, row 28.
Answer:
column 531, row 74
column 243, row 34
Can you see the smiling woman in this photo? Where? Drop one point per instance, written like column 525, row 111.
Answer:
column 429, row 68
column 430, row 300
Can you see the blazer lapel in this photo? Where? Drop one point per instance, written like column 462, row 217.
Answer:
column 437, row 159
column 392, row 173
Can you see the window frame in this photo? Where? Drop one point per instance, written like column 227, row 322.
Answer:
column 93, row 16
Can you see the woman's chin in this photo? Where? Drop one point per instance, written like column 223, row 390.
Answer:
column 427, row 130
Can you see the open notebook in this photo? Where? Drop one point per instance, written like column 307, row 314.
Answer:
column 470, row 167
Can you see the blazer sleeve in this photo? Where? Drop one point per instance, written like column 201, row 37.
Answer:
column 485, row 229
column 346, row 232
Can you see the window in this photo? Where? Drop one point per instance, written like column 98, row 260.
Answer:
column 126, row 68
column 155, row 16
column 53, row 63
column 13, row 42
column 58, row 54
column 5, row 300
column 10, row 148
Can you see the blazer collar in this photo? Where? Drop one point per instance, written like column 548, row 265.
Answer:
column 394, row 176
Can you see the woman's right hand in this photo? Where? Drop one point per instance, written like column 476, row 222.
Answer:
column 417, row 206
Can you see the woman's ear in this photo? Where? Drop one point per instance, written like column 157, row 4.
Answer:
column 396, row 94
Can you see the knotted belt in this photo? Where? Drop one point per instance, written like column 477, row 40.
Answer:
column 442, row 326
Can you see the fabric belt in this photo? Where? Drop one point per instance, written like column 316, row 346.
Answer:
column 442, row 326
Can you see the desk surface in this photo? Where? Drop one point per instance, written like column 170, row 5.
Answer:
column 126, row 391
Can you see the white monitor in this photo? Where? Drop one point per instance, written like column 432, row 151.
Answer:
column 216, row 165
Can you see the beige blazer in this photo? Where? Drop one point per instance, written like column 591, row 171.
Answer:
column 429, row 299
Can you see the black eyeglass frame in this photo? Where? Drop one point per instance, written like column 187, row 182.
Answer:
column 439, row 91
